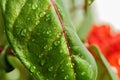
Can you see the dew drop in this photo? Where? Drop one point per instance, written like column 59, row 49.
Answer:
column 42, row 62
column 47, row 15
column 44, row 32
column 62, row 70
column 41, row 55
column 61, row 51
column 38, row 73
column 23, row 32
column 90, row 66
column 50, row 69
column 56, row 43
column 45, row 47
column 48, row 18
column 54, row 75
column 49, row 48
column 33, row 40
column 42, row 14
column 83, row 73
column 66, row 77
column 34, row 6
column 28, row 19
column 58, row 36
column 48, row 32
column 32, row 68
column 67, row 64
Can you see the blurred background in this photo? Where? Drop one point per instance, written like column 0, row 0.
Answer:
column 108, row 11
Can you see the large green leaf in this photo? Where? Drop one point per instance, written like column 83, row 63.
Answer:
column 104, row 70
column 45, row 42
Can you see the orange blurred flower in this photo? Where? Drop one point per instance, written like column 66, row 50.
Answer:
column 108, row 42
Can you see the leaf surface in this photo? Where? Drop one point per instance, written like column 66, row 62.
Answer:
column 104, row 70
column 45, row 41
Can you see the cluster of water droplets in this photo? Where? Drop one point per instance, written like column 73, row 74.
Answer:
column 48, row 32
column 47, row 17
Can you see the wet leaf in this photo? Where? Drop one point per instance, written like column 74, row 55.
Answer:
column 45, row 41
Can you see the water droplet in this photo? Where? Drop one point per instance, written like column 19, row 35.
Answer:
column 48, row 32
column 37, row 22
column 61, row 51
column 42, row 62
column 44, row 32
column 32, row 68
column 55, row 75
column 49, row 48
column 42, row 14
column 50, row 69
column 41, row 55
column 66, row 77
column 34, row 6
column 68, row 64
column 90, row 66
column 33, row 40
column 62, row 70
column 58, row 36
column 38, row 74
column 45, row 47
column 56, row 43
column 48, row 17
column 23, row 32
column 28, row 19
column 83, row 73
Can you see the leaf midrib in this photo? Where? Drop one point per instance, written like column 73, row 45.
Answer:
column 64, row 32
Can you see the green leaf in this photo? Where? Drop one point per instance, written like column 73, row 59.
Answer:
column 3, row 40
column 104, row 69
column 45, row 42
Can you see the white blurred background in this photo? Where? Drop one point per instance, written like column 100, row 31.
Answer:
column 108, row 11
